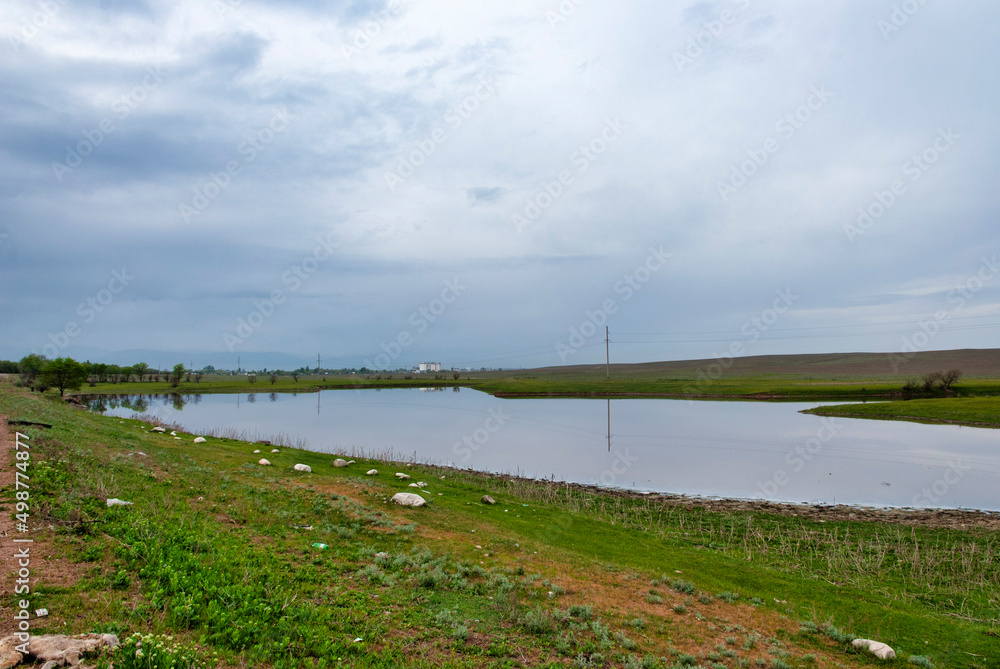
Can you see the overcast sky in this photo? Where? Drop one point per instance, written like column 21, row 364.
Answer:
column 489, row 184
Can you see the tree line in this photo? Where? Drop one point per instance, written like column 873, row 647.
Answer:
column 40, row 373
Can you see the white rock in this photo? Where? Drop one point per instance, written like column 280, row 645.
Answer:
column 173, row 434
column 264, row 462
column 401, row 476
column 302, row 468
column 350, row 462
column 340, row 462
column 177, row 438
column 200, row 440
column 488, row 500
column 158, row 429
column 421, row 484
column 371, row 472
column 274, row 450
column 257, row 451
column 414, row 485
column 408, row 499
column 876, row 648
column 117, row 502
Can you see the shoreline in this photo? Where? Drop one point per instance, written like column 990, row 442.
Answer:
column 820, row 511
column 957, row 518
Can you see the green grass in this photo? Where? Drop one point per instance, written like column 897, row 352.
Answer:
column 214, row 552
column 981, row 411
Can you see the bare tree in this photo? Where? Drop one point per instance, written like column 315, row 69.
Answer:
column 273, row 378
column 295, row 377
column 950, row 377
column 252, row 378
column 930, row 379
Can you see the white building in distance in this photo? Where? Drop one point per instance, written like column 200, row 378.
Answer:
column 429, row 367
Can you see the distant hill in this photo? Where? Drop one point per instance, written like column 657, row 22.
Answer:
column 972, row 363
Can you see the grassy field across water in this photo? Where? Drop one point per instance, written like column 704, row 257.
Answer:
column 263, row 566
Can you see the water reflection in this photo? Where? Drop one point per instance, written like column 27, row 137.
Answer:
column 729, row 449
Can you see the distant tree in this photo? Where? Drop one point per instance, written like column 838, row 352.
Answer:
column 950, row 377
column 295, row 377
column 30, row 367
column 252, row 378
column 273, row 378
column 140, row 369
column 177, row 374
column 64, row 374
column 455, row 376
column 115, row 373
column 930, row 379
column 208, row 369
column 8, row 367
column 188, row 375
column 197, row 377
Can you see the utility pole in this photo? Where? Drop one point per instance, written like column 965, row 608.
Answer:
column 318, row 361
column 607, row 350
column 237, row 364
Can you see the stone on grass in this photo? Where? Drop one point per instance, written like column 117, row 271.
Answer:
column 114, row 501
column 340, row 462
column 200, row 440
column 263, row 462
column 257, row 451
column 173, row 434
column 158, row 429
column 401, row 476
column 371, row 472
column 274, row 450
column 302, row 468
column 876, row 648
column 488, row 500
column 408, row 499
column 414, row 485
column 55, row 649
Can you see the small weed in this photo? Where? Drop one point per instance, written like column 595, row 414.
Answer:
column 921, row 661
column 680, row 608
column 537, row 621
column 684, row 587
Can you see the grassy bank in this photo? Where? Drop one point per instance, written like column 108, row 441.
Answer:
column 220, row 552
column 975, row 411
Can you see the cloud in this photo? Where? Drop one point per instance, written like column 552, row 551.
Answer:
column 491, row 111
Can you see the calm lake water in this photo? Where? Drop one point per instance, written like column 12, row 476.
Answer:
column 716, row 449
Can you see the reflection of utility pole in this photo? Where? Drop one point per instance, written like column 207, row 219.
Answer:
column 609, row 425
column 318, row 395
column 607, row 350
